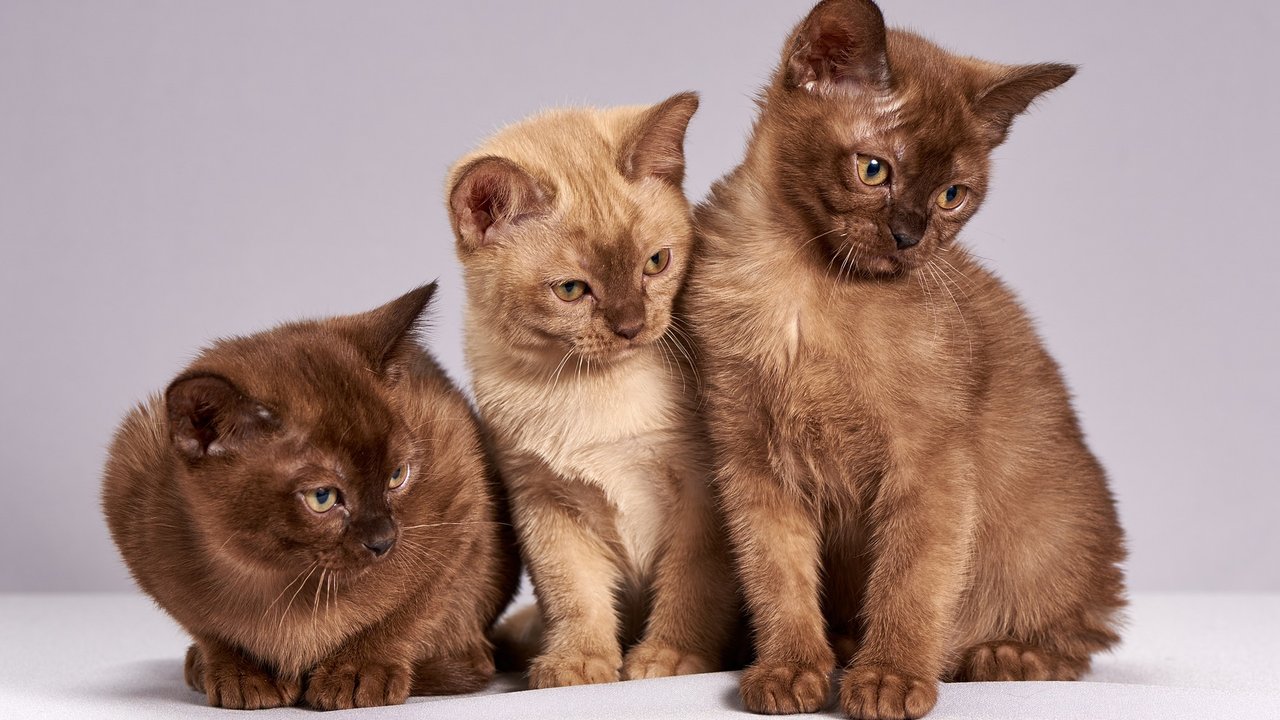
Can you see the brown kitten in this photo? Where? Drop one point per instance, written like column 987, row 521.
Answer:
column 313, row 504
column 899, row 462
column 574, row 235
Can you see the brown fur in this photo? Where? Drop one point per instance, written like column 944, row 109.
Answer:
column 203, row 496
column 906, row 486
column 590, row 402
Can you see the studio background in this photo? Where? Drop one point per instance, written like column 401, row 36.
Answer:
column 171, row 172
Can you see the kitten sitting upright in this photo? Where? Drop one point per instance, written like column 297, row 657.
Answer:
column 574, row 235
column 898, row 458
column 314, row 505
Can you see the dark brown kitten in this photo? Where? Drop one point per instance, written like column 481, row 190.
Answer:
column 313, row 504
column 906, row 485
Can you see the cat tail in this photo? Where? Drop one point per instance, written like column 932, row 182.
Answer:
column 517, row 639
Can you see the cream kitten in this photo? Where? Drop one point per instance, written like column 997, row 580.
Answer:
column 575, row 236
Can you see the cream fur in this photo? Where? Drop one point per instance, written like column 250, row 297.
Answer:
column 596, row 432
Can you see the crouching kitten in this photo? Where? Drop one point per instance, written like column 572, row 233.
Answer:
column 574, row 235
column 312, row 504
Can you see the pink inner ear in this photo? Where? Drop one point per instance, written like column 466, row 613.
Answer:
column 481, row 209
column 208, row 415
column 840, row 42
column 492, row 191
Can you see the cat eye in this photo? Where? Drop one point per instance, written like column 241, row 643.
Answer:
column 399, row 477
column 953, row 197
column 872, row 171
column 321, row 500
column 570, row 291
column 658, row 262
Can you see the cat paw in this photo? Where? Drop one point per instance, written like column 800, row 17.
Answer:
column 655, row 660
column 559, row 670
column 347, row 685
column 193, row 669
column 876, row 692
column 232, row 683
column 1003, row 661
column 453, row 675
column 785, row 688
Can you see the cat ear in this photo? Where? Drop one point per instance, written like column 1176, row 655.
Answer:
column 210, row 417
column 841, row 42
column 655, row 147
column 489, row 195
column 1011, row 90
column 386, row 334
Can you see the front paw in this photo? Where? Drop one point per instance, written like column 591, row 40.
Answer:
column 877, row 692
column 454, row 674
column 561, row 669
column 345, row 685
column 655, row 660
column 235, row 683
column 786, row 688
column 193, row 669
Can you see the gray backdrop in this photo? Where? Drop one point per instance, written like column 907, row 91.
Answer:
column 175, row 171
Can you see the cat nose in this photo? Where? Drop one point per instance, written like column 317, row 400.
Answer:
column 379, row 538
column 629, row 330
column 380, row 546
column 905, row 241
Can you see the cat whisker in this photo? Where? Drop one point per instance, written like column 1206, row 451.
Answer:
column 840, row 273
column 805, row 244
column 666, row 359
column 315, row 607
column 850, row 261
column 688, row 356
column 959, row 311
column 465, row 522
column 678, row 327
column 328, row 591
column 555, row 379
column 226, row 542
column 681, row 334
column 929, row 301
column 827, row 269
column 958, row 275
column 285, row 612
column 286, row 588
column 427, row 558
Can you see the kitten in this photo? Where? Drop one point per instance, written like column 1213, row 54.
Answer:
column 898, row 459
column 574, row 235
column 313, row 504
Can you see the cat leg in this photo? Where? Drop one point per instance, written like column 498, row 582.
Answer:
column 844, row 573
column 775, row 538
column 231, row 679
column 373, row 668
column 1001, row 660
column 694, row 597
column 454, row 673
column 921, row 531
column 193, row 669
column 517, row 639
column 574, row 572
column 360, row 674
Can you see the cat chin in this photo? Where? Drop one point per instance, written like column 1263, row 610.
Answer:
column 882, row 266
column 566, row 357
column 615, row 356
column 878, row 267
